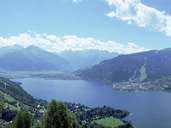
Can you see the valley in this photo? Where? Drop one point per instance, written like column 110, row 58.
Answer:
column 85, row 64
column 121, row 90
column 61, row 75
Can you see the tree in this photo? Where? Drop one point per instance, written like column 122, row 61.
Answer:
column 37, row 126
column 58, row 116
column 2, row 105
column 22, row 120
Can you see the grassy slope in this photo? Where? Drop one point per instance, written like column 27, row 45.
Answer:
column 16, row 98
column 109, row 122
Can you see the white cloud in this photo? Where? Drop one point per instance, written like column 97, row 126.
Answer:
column 55, row 43
column 76, row 1
column 134, row 11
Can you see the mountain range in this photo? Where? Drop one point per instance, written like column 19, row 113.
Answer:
column 137, row 67
column 86, row 58
column 17, row 58
column 32, row 58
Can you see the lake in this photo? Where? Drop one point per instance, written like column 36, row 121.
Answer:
column 149, row 109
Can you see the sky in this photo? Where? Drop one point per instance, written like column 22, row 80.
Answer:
column 123, row 26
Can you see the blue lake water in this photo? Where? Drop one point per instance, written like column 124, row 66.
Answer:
column 149, row 109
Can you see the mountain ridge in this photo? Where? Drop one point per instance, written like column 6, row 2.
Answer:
column 137, row 67
column 31, row 58
column 86, row 58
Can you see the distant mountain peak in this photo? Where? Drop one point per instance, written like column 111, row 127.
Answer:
column 32, row 47
column 86, row 58
column 15, row 46
column 30, row 58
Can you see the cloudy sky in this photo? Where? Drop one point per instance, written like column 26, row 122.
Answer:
column 123, row 26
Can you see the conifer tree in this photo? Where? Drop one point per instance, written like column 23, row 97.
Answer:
column 22, row 120
column 58, row 116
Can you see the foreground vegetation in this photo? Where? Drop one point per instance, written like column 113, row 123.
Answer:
column 56, row 116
